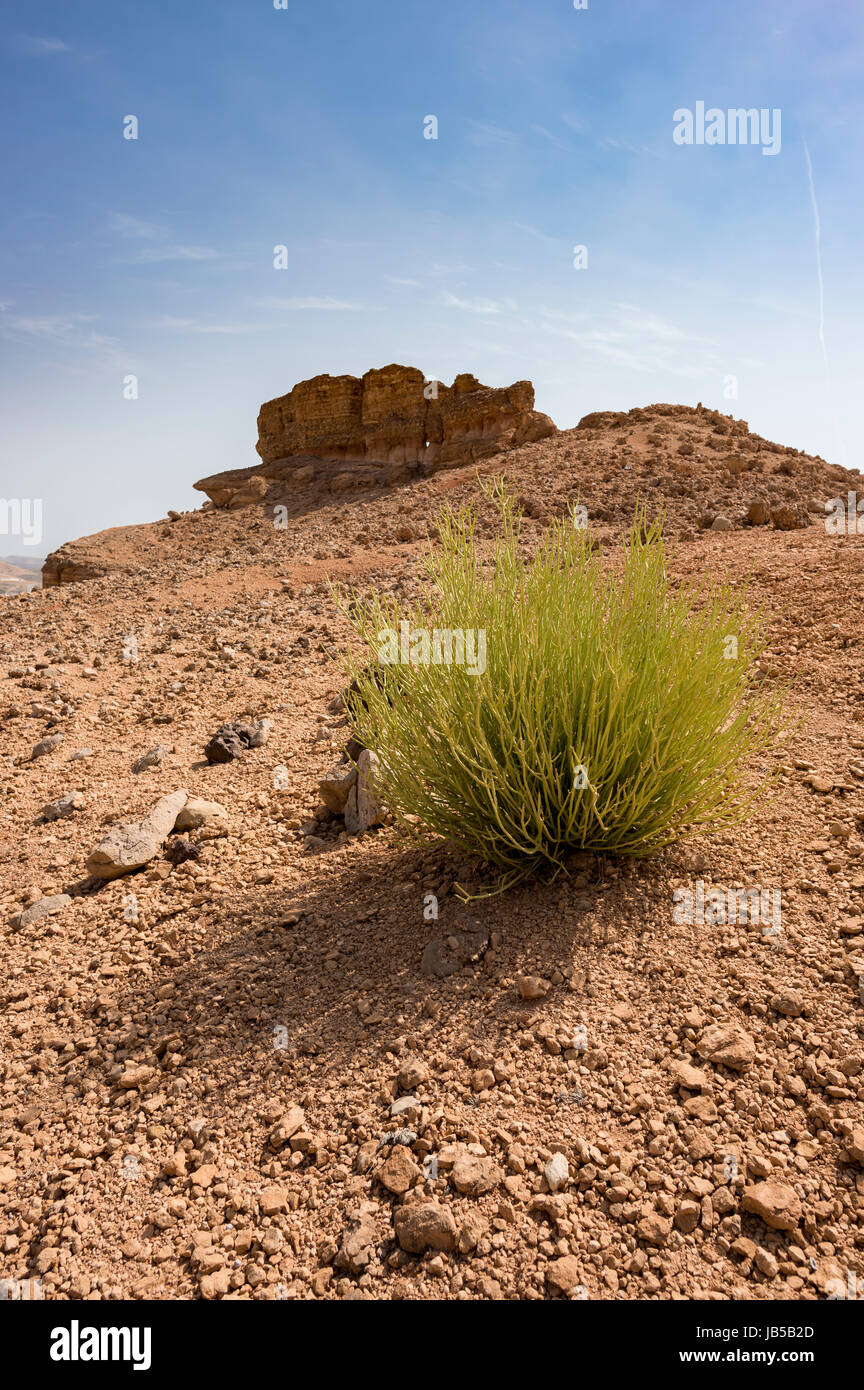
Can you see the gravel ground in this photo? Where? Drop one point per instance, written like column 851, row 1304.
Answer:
column 227, row 1076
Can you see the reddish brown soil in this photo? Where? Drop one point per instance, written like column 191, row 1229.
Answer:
column 282, row 968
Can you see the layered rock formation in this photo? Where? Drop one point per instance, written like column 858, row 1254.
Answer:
column 383, row 427
column 63, row 568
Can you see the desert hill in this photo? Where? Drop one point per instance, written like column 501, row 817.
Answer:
column 239, row 1072
column 698, row 464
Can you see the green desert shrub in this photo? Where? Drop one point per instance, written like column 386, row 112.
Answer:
column 609, row 712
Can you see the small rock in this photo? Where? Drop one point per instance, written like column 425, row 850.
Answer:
column 287, row 1127
column 215, row 1285
column 689, row 1077
column 766, row 1263
column 532, row 986
column 854, row 1150
column 273, row 1200
column 358, row 1244
column 399, row 1171
column 788, row 518
column 721, row 523
column 654, row 1229
column 407, row 1108
column 414, row 1073
column 225, row 745
column 562, row 1276
column 687, row 1216
column 363, row 809
column 759, row 512
column 232, row 740
column 557, row 1172
column 197, row 813
column 181, row 851
column 135, row 1078
column 259, row 732
column 204, row 1176
column 790, row 1003
column 425, row 1226
column 701, row 1108
column 150, row 759
column 46, row 745
column 471, row 1232
column 727, row 1045
column 472, row 1175
column 820, row 783
column 174, row 1165
column 777, row 1204
column 335, row 786
column 63, row 806
column 45, row 907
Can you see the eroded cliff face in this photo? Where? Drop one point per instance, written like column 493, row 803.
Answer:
column 382, row 427
column 60, row 568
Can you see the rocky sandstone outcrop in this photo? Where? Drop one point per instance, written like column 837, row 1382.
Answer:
column 383, row 427
column 60, row 568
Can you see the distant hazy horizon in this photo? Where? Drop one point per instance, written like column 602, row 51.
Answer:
column 708, row 268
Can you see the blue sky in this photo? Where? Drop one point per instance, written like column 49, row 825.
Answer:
column 304, row 127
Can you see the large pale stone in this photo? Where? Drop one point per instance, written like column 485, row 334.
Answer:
column 362, row 807
column 197, row 813
column 129, row 847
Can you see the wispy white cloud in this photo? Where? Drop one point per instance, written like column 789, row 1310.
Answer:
column 553, row 139
column 484, row 135
column 636, row 320
column 47, row 325
column 437, row 268
column 158, row 255
column 310, row 302
column 181, row 325
column 127, row 225
column 630, row 337
column 537, row 234
column 58, row 330
column 160, row 248
column 43, row 47
column 479, row 306
column 609, row 142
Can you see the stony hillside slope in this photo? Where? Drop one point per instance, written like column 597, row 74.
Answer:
column 231, row 1074
column 697, row 464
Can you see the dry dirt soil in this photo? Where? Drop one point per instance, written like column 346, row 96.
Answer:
column 227, row 1076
